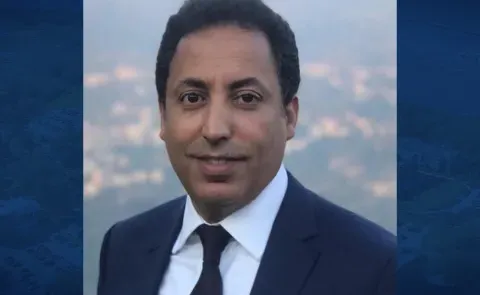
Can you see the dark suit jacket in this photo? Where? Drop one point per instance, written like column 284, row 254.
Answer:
column 315, row 248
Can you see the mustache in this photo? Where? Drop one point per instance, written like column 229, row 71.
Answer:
column 205, row 151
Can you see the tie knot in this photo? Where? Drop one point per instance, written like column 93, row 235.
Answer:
column 214, row 240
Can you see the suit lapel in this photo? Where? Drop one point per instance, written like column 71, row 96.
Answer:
column 156, row 254
column 292, row 248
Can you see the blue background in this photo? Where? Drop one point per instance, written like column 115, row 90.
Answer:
column 438, row 147
column 41, row 181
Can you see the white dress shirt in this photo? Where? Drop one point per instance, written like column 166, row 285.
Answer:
column 250, row 228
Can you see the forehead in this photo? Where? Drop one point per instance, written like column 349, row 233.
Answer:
column 223, row 54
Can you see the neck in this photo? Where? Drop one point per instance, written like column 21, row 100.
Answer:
column 214, row 212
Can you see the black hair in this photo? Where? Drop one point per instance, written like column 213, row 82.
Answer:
column 195, row 15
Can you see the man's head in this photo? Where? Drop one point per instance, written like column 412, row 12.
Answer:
column 227, row 76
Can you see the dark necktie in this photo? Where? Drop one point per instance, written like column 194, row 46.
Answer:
column 214, row 240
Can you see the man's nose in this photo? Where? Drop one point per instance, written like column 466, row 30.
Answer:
column 217, row 126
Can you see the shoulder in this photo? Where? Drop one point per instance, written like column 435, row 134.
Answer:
column 351, row 233
column 141, row 232
column 141, row 225
column 353, row 247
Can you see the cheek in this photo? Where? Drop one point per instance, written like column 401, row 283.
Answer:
column 250, row 127
column 261, row 131
column 181, row 129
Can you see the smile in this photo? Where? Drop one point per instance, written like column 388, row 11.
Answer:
column 216, row 161
column 218, row 165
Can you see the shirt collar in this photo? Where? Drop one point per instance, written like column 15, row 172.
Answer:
column 249, row 226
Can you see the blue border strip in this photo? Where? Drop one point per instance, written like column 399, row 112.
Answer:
column 41, row 181
column 438, row 147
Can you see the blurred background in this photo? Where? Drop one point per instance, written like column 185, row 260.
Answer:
column 345, row 147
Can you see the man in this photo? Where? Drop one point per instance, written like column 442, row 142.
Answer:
column 227, row 76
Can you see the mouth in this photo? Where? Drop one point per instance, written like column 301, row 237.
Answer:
column 219, row 159
column 214, row 161
column 214, row 165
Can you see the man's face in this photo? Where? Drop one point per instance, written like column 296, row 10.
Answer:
column 224, row 123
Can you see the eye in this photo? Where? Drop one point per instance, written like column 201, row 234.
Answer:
column 247, row 98
column 191, row 98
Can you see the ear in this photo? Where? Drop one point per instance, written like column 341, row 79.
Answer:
column 162, row 120
column 292, row 116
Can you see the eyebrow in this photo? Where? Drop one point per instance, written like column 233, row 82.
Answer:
column 235, row 85
column 193, row 83
column 249, row 81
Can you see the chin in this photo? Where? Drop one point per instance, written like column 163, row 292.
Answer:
column 217, row 192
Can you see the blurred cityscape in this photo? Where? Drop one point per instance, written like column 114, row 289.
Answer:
column 345, row 147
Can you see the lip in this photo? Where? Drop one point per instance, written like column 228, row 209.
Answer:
column 218, row 166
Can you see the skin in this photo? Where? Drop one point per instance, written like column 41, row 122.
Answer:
column 223, row 98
